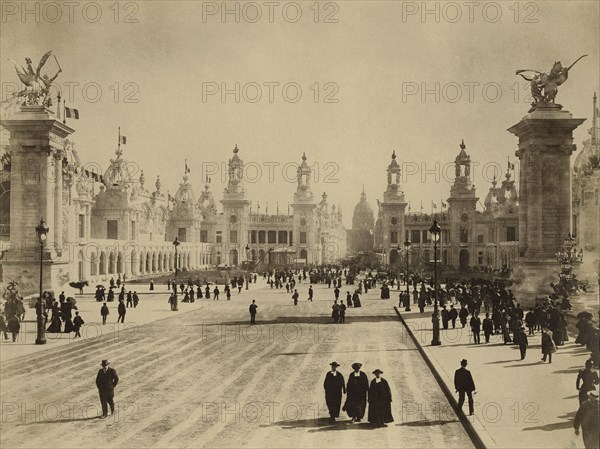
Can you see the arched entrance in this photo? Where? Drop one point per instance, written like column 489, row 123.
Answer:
column 393, row 257
column 463, row 259
column 304, row 256
column 233, row 256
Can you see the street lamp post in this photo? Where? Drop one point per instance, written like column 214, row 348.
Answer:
column 41, row 231
column 407, row 247
column 568, row 256
column 435, row 318
column 176, row 243
column 247, row 264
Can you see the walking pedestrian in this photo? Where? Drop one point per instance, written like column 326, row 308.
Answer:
column 523, row 342
column 334, row 386
column 463, row 384
column 548, row 345
column 587, row 418
column 129, row 299
column 335, row 312
column 295, row 297
column 310, row 293
column 586, row 381
column 488, row 327
column 342, row 312
column 380, row 401
column 104, row 312
column 122, row 310
column 252, row 310
column 136, row 299
column 453, row 313
column 106, row 381
column 463, row 315
column 77, row 323
column 356, row 399
column 475, row 324
column 216, row 292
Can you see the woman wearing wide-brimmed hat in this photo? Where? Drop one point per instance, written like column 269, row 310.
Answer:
column 380, row 401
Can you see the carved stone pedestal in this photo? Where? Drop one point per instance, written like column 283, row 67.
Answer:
column 545, row 147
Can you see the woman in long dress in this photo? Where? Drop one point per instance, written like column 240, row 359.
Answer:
column 380, row 401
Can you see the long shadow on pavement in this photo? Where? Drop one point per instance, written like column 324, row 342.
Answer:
column 58, row 421
column 321, row 424
column 567, row 423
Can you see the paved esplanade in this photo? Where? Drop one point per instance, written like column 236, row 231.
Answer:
column 205, row 378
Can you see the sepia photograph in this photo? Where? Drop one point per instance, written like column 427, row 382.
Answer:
column 365, row 224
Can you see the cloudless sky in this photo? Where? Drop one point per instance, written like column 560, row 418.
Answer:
column 362, row 78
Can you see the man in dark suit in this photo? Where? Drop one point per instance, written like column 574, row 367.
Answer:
column 253, row 310
column 334, row 387
column 106, row 381
column 358, row 386
column 463, row 383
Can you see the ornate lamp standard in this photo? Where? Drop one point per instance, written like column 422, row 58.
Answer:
column 567, row 256
column 407, row 247
column 176, row 243
column 435, row 318
column 247, row 263
column 41, row 231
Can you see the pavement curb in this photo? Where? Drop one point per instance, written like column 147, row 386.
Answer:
column 477, row 436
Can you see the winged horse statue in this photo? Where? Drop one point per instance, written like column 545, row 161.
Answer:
column 544, row 86
column 37, row 87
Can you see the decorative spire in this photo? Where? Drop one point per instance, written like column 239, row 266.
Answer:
column 462, row 144
column 236, row 149
column 394, row 154
column 142, row 179
column 157, row 184
column 494, row 182
column 304, row 156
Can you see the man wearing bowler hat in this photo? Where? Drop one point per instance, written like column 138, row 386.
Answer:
column 334, row 387
column 106, row 381
column 356, row 401
column 463, row 383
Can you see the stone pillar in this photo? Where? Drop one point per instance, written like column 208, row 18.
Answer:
column 37, row 143
column 545, row 146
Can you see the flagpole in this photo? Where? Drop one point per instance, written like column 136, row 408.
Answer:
column 119, row 144
column 65, row 112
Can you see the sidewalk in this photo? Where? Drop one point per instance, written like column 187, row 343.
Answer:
column 519, row 403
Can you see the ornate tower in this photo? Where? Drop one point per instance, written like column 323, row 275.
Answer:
column 235, row 211
column 363, row 225
column 462, row 205
column 305, row 229
column 392, row 213
column 545, row 147
column 38, row 190
column 185, row 218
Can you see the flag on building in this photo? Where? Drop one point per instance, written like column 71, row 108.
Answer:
column 72, row 113
column 187, row 169
column 433, row 205
column 444, row 205
column 511, row 166
column 123, row 140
